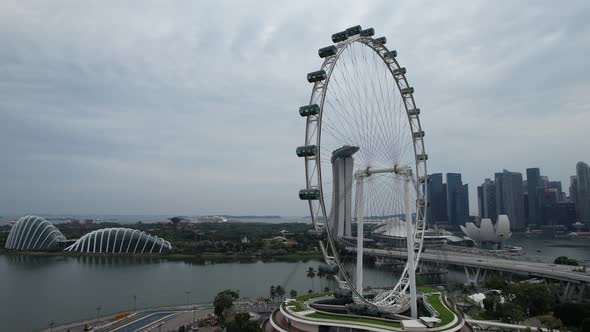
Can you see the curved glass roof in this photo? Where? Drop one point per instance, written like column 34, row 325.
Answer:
column 120, row 241
column 33, row 233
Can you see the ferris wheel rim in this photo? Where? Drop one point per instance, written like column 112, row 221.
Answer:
column 319, row 90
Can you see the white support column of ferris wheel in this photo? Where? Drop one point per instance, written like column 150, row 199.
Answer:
column 406, row 172
column 410, row 243
column 359, row 233
column 360, row 176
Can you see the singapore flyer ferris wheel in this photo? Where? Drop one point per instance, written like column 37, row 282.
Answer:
column 365, row 163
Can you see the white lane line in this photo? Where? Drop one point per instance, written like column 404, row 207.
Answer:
column 135, row 321
column 153, row 324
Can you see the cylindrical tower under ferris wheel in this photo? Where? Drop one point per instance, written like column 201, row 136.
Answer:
column 365, row 162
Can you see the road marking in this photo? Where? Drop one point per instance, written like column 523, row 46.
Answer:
column 152, row 325
column 137, row 320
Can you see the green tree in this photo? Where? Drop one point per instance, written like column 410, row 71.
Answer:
column 311, row 274
column 273, row 292
column 224, row 301
column 509, row 312
column 535, row 299
column 320, row 274
column 564, row 260
column 280, row 291
column 293, row 293
column 572, row 314
column 243, row 323
column 551, row 323
column 498, row 283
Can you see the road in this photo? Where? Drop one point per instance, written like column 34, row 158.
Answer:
column 536, row 269
column 145, row 320
column 159, row 319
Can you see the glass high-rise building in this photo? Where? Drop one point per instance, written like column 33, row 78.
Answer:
column 487, row 200
column 533, row 178
column 498, row 180
column 583, row 192
column 512, row 199
column 436, row 198
column 457, row 200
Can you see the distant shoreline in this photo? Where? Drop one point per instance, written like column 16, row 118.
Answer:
column 204, row 258
column 251, row 217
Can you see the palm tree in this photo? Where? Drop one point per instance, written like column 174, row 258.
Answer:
column 311, row 274
column 321, row 275
column 293, row 293
column 280, row 291
column 273, row 292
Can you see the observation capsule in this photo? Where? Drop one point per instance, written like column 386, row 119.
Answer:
column 405, row 91
column 355, row 30
column 381, row 40
column 327, row 51
column 419, row 134
column 340, row 36
column 309, row 194
column 316, row 234
column 415, row 111
column 316, row 76
column 391, row 54
column 422, row 157
column 399, row 71
column 328, row 268
column 368, row 32
column 306, row 151
column 309, row 110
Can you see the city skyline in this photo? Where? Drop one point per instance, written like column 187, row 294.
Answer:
column 145, row 108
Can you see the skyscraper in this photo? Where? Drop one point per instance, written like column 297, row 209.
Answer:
column 498, row 180
column 445, row 205
column 457, row 200
column 583, row 192
column 557, row 186
column 487, row 201
column 480, row 201
column 512, row 198
column 548, row 203
column 573, row 188
column 533, row 178
column 463, row 204
column 436, row 198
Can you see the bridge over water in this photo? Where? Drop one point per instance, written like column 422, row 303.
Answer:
column 477, row 266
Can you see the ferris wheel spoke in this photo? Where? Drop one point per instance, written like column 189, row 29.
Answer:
column 359, row 121
column 352, row 123
column 361, row 104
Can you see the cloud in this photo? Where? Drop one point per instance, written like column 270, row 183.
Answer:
column 151, row 107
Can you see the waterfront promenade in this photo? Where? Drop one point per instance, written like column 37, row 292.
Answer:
column 158, row 319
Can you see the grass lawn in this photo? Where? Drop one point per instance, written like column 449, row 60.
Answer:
column 445, row 314
column 306, row 297
column 298, row 306
column 355, row 319
column 427, row 290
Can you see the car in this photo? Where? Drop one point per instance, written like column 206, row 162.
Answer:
column 195, row 328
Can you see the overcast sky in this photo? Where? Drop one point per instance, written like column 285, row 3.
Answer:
column 190, row 107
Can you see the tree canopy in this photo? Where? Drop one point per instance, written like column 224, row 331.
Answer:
column 224, row 300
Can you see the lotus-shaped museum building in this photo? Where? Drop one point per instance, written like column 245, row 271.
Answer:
column 487, row 232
